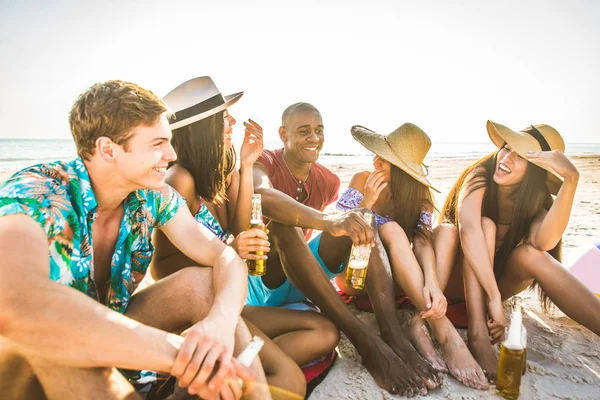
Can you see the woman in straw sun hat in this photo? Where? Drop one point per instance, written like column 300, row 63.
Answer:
column 219, row 196
column 511, row 229
column 399, row 194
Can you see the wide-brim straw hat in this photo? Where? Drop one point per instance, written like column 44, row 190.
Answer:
column 196, row 99
column 406, row 148
column 533, row 138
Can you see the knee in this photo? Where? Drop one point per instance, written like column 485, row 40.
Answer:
column 194, row 284
column 391, row 232
column 448, row 233
column 489, row 227
column 529, row 257
column 329, row 334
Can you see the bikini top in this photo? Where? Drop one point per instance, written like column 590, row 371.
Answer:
column 204, row 217
column 351, row 198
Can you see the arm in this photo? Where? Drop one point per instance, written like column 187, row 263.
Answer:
column 473, row 242
column 547, row 229
column 280, row 207
column 242, row 188
column 59, row 323
column 229, row 271
column 425, row 255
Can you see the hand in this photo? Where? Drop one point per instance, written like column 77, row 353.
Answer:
column 249, row 241
column 205, row 344
column 436, row 301
column 252, row 145
column 556, row 160
column 497, row 320
column 353, row 224
column 373, row 187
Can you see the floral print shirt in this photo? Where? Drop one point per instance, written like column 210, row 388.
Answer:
column 59, row 197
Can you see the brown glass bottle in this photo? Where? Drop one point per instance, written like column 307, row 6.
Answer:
column 257, row 267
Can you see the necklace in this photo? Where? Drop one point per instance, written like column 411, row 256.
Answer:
column 300, row 182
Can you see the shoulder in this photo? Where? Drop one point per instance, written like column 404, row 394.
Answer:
column 182, row 181
column 268, row 159
column 358, row 180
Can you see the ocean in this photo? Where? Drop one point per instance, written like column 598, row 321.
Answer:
column 20, row 153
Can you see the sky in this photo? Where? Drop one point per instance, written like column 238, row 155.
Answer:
column 446, row 66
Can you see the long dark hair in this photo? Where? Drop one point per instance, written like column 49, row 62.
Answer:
column 531, row 198
column 409, row 197
column 200, row 149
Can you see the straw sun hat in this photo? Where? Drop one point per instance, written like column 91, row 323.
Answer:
column 535, row 138
column 406, row 148
column 196, row 99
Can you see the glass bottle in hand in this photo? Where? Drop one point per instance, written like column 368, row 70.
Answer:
column 257, row 267
column 356, row 274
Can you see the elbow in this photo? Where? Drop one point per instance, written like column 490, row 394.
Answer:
column 543, row 245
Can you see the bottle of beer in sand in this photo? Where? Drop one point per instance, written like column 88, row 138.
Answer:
column 512, row 354
column 257, row 267
column 356, row 274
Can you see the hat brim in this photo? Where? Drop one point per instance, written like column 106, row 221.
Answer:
column 377, row 144
column 229, row 101
column 521, row 143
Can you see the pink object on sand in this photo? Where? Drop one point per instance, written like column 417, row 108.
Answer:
column 587, row 267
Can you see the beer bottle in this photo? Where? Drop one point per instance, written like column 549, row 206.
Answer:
column 257, row 267
column 510, row 363
column 356, row 274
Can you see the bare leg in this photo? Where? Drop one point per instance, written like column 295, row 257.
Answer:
column 408, row 275
column 382, row 294
column 284, row 376
column 178, row 301
column 302, row 335
column 572, row 297
column 305, row 273
column 478, row 335
column 446, row 247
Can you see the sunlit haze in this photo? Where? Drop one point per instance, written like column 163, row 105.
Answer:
column 445, row 66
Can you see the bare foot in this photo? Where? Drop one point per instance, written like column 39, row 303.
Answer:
column 405, row 350
column 419, row 337
column 389, row 371
column 460, row 362
column 485, row 355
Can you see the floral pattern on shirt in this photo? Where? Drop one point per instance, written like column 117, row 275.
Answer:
column 60, row 198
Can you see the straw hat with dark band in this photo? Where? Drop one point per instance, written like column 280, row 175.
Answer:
column 196, row 99
column 406, row 148
column 533, row 138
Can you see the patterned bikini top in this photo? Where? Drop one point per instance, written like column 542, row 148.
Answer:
column 351, row 198
column 204, row 217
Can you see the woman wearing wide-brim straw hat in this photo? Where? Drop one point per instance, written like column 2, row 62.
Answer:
column 219, row 196
column 511, row 230
column 398, row 192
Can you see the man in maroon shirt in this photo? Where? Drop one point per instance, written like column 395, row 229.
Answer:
column 295, row 190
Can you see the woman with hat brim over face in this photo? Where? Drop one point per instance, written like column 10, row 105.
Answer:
column 219, row 196
column 399, row 194
column 510, row 234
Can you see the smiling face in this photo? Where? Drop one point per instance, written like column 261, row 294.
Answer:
column 303, row 135
column 510, row 167
column 228, row 123
column 143, row 162
column 382, row 165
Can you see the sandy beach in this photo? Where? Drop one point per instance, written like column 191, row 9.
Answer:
column 563, row 357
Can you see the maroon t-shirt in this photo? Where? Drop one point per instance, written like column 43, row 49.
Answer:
column 322, row 185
